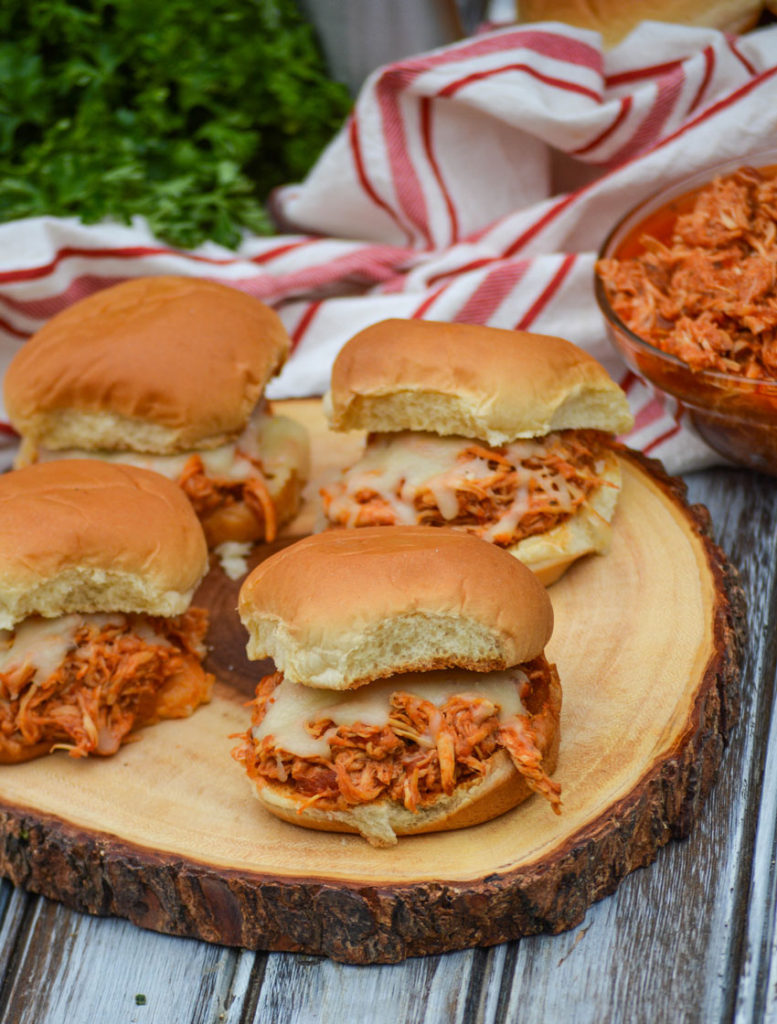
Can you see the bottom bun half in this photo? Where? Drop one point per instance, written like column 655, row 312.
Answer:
column 381, row 821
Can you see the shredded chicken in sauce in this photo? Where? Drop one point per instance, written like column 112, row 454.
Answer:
column 111, row 681
column 208, row 494
column 708, row 295
column 421, row 753
column 502, row 494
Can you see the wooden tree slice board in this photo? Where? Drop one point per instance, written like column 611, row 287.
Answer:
column 168, row 834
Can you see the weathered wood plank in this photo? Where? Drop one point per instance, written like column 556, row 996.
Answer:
column 750, row 916
column 71, row 968
column 756, row 996
column 420, row 991
column 14, row 906
column 246, row 984
column 757, row 988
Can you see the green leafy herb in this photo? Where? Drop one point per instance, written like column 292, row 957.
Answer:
column 186, row 113
column 140, row 999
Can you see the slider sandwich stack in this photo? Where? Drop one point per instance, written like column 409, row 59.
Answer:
column 502, row 434
column 168, row 373
column 98, row 565
column 411, row 694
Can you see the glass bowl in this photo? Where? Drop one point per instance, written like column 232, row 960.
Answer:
column 735, row 415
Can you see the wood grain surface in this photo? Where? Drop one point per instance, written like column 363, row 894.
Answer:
column 167, row 834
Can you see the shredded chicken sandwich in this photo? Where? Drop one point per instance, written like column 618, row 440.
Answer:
column 83, row 683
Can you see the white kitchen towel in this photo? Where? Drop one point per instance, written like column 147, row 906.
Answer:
column 472, row 183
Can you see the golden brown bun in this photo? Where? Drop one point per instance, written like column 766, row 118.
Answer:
column 343, row 607
column 156, row 364
column 88, row 536
column 382, row 821
column 614, row 19
column 466, row 379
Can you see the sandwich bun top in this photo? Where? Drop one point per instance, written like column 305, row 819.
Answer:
column 341, row 608
column 484, row 382
column 82, row 535
column 156, row 364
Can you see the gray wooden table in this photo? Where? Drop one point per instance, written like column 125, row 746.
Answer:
column 690, row 938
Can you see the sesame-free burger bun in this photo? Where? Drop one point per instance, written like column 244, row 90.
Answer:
column 484, row 382
column 89, row 536
column 156, row 364
column 344, row 607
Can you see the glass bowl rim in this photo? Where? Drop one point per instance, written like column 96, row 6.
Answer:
column 759, row 158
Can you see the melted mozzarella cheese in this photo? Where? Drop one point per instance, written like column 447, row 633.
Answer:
column 398, row 466
column 140, row 627
column 292, row 706
column 43, row 643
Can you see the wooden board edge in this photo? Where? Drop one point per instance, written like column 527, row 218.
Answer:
column 362, row 923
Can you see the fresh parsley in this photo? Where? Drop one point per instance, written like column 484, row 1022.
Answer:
column 186, row 113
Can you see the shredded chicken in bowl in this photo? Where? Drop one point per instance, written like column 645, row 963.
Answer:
column 706, row 292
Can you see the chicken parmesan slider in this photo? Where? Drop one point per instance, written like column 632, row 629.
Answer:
column 98, row 564
column 167, row 373
column 503, row 434
column 411, row 692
